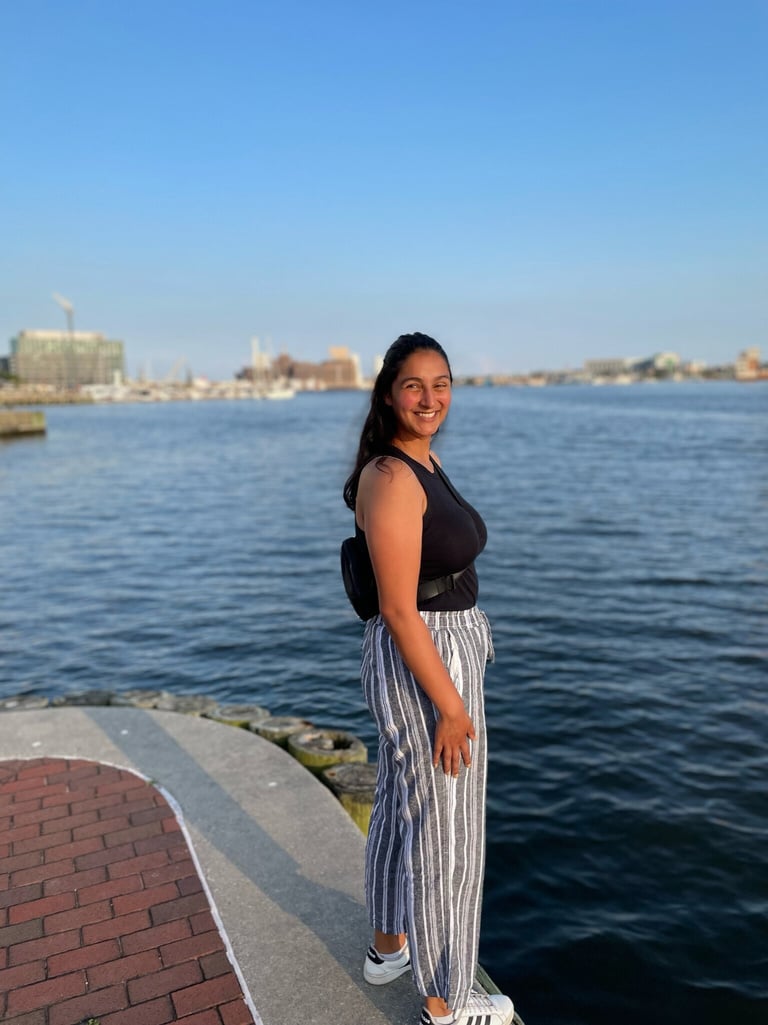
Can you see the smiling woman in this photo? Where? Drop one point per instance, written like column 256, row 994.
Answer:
column 423, row 666
column 421, row 394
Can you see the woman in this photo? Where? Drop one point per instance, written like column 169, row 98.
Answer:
column 423, row 662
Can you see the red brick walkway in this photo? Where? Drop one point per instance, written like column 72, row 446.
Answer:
column 103, row 918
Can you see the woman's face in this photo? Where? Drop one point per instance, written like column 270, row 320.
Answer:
column 421, row 395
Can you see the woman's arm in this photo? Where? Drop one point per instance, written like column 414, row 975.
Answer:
column 390, row 508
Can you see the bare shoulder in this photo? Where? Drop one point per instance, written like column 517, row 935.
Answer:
column 386, row 483
column 387, row 471
column 435, row 457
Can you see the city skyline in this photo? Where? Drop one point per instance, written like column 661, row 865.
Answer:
column 45, row 357
column 533, row 185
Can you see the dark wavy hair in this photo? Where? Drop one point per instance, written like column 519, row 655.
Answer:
column 379, row 427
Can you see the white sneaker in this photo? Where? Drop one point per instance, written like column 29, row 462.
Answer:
column 480, row 1009
column 379, row 971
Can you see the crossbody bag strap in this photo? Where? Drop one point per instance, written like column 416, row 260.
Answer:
column 431, row 588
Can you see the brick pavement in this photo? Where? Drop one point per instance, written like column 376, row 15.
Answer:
column 103, row 916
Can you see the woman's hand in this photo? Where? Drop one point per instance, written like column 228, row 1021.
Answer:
column 453, row 733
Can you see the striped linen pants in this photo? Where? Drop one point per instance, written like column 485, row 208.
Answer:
column 425, row 852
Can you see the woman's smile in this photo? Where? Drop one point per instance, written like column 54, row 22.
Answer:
column 421, row 393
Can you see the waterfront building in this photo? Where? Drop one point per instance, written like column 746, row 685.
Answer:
column 607, row 367
column 660, row 365
column 340, row 371
column 666, row 362
column 66, row 359
column 748, row 364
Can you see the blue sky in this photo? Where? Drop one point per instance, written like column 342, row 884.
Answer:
column 534, row 183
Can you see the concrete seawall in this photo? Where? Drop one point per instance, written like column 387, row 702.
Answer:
column 16, row 423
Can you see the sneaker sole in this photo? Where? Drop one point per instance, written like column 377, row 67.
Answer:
column 382, row 980
column 509, row 1020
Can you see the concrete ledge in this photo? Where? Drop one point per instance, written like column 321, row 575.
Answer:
column 17, row 422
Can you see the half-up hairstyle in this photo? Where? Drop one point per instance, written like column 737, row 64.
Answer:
column 380, row 424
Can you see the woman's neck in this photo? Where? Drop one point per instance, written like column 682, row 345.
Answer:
column 417, row 448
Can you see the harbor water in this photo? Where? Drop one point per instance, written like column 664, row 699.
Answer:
column 193, row 547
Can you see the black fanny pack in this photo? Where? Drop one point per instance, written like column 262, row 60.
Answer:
column 360, row 582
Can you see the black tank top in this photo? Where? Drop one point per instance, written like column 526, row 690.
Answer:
column 453, row 536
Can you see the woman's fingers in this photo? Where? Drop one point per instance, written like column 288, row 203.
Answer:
column 451, row 750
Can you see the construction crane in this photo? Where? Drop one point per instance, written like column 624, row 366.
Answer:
column 69, row 309
column 173, row 372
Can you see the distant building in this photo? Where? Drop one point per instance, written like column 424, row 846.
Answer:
column 66, row 360
column 608, row 367
column 666, row 362
column 661, row 364
column 340, row 371
column 748, row 364
column 260, row 361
